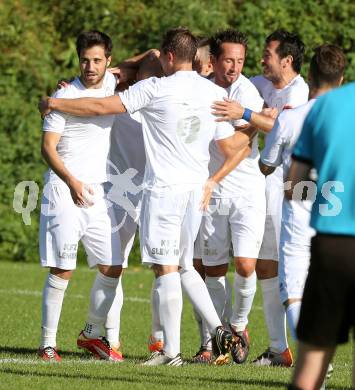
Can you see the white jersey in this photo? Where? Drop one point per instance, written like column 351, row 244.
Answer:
column 247, row 174
column 292, row 95
column 177, row 127
column 127, row 146
column 85, row 141
column 277, row 152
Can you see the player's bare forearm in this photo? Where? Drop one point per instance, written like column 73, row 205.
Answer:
column 128, row 70
column 298, row 172
column 135, row 61
column 83, row 106
column 229, row 110
column 230, row 163
column 262, row 121
column 234, row 149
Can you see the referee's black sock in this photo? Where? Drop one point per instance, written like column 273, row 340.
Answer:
column 293, row 387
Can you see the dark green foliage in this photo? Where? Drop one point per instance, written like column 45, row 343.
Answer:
column 37, row 48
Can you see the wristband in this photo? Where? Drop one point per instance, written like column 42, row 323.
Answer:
column 247, row 114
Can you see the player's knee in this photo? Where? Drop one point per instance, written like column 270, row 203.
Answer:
column 199, row 267
column 61, row 273
column 244, row 267
column 266, row 269
column 290, row 301
column 216, row 270
column 161, row 270
column 111, row 271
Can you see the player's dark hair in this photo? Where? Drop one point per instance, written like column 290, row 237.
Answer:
column 88, row 39
column 227, row 36
column 181, row 42
column 290, row 45
column 202, row 41
column 327, row 65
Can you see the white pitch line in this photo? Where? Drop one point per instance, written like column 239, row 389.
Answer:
column 40, row 362
column 79, row 296
column 76, row 296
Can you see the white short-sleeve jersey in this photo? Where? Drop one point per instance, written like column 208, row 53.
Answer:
column 178, row 127
column 277, row 152
column 85, row 141
column 292, row 95
column 247, row 174
column 127, row 146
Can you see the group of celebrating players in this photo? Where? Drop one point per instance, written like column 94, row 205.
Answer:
column 173, row 147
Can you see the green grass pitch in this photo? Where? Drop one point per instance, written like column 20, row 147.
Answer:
column 20, row 310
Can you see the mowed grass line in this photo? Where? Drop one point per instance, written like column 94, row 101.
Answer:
column 20, row 311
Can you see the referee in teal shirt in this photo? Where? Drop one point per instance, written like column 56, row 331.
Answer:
column 327, row 143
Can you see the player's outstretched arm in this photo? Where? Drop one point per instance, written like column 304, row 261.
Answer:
column 83, row 106
column 49, row 152
column 228, row 110
column 128, row 70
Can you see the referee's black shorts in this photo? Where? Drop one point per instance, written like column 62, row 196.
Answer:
column 328, row 305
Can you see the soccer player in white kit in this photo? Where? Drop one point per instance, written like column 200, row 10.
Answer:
column 281, row 87
column 74, row 206
column 237, row 209
column 326, row 72
column 178, row 128
column 126, row 167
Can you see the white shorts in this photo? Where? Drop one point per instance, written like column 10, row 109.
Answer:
column 274, row 196
column 293, row 270
column 127, row 223
column 169, row 226
column 235, row 220
column 63, row 224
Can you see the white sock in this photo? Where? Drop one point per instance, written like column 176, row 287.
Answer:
column 113, row 320
column 205, row 336
column 102, row 295
column 52, row 300
column 217, row 289
column 196, row 290
column 157, row 330
column 274, row 312
column 168, row 294
column 226, row 319
column 293, row 315
column 244, row 291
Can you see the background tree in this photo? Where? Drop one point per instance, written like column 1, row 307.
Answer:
column 37, row 43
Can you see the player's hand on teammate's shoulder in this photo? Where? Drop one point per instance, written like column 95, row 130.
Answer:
column 63, row 83
column 227, row 110
column 271, row 112
column 44, row 106
column 81, row 193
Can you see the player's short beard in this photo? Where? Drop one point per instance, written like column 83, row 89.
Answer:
column 273, row 78
column 89, row 83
